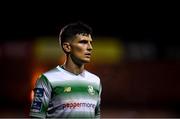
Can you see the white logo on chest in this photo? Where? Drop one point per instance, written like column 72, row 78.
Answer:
column 91, row 90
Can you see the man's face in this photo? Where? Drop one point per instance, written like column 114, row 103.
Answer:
column 81, row 47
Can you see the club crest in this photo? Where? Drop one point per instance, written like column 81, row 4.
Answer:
column 91, row 90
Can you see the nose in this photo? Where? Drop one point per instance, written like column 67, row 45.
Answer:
column 90, row 46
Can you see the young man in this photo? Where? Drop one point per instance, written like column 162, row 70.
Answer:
column 69, row 90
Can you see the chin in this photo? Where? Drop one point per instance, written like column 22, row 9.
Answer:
column 86, row 60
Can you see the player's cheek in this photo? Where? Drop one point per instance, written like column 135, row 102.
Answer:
column 79, row 49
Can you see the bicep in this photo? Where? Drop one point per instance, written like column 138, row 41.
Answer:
column 42, row 95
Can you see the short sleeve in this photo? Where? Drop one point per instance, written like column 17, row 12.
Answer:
column 98, row 110
column 42, row 96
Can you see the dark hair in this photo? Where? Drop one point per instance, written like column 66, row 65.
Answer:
column 72, row 29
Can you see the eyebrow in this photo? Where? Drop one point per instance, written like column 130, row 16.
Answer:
column 85, row 40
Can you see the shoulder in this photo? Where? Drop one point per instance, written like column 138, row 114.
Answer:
column 92, row 76
column 52, row 74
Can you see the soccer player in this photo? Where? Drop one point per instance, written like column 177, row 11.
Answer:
column 69, row 90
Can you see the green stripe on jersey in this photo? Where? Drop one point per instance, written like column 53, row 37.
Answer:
column 75, row 92
column 75, row 83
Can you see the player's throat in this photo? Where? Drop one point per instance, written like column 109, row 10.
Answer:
column 73, row 70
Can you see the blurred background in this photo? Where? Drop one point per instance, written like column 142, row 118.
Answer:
column 136, row 54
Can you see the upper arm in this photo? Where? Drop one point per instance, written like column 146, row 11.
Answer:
column 42, row 96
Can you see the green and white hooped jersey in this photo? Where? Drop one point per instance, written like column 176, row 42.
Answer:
column 59, row 93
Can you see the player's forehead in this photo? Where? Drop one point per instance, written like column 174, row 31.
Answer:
column 83, row 37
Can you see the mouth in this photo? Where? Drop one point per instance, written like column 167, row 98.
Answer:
column 88, row 55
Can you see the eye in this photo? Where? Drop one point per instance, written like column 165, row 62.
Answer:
column 83, row 41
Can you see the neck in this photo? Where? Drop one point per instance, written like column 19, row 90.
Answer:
column 73, row 67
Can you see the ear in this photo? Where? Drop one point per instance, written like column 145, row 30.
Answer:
column 66, row 47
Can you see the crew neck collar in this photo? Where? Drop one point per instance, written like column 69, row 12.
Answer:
column 63, row 68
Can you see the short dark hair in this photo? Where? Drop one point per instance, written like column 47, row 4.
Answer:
column 72, row 29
